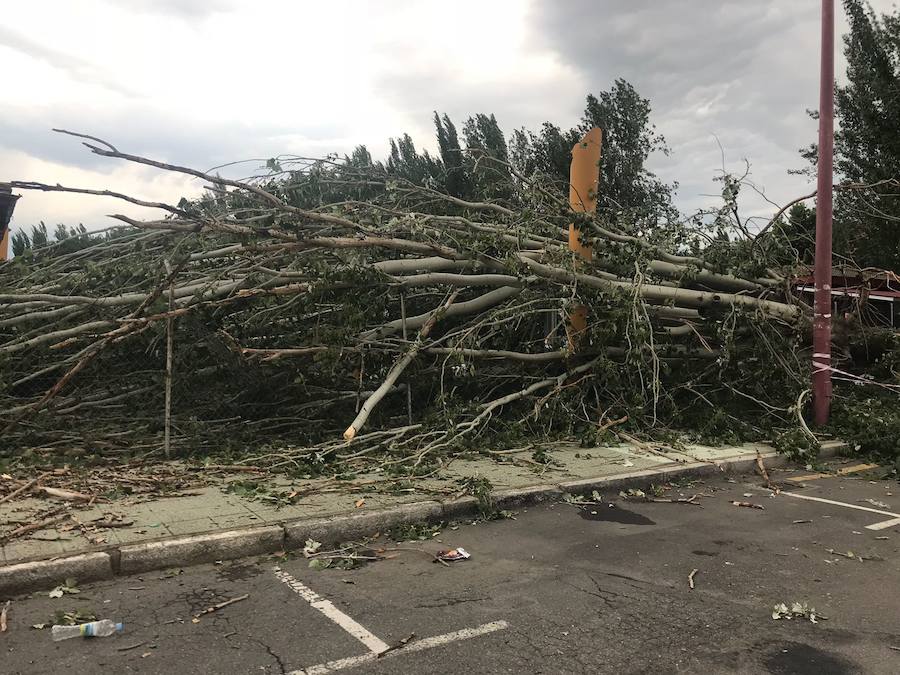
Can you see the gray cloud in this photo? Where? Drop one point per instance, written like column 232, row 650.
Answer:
column 419, row 94
column 740, row 72
column 172, row 138
column 78, row 68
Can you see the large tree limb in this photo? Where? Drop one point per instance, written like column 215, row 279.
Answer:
column 679, row 296
column 396, row 370
column 473, row 306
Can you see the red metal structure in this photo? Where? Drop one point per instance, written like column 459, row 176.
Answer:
column 821, row 376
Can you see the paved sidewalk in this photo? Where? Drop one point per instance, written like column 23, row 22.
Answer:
column 215, row 509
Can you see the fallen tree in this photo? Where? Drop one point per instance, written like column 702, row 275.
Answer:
column 329, row 316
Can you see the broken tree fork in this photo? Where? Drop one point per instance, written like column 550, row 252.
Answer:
column 584, row 180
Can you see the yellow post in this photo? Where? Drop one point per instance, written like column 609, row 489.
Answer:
column 584, row 179
column 7, row 206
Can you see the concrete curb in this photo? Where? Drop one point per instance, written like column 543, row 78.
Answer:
column 348, row 528
column 200, row 548
column 230, row 544
column 43, row 574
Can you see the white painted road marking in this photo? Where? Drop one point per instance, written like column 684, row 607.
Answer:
column 376, row 645
column 883, row 525
column 319, row 603
column 416, row 646
column 895, row 517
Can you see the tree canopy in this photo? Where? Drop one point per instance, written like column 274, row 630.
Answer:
column 867, row 140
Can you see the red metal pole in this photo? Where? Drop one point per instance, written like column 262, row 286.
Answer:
column 821, row 378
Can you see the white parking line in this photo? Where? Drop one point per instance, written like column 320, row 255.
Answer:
column 884, row 524
column 377, row 647
column 895, row 517
column 427, row 643
column 315, row 601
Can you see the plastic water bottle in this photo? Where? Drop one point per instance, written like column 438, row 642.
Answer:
column 102, row 628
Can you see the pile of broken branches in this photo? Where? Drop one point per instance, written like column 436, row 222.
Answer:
column 329, row 314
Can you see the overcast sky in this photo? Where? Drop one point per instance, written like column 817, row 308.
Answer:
column 203, row 82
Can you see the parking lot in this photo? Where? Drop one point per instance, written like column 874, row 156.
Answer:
column 561, row 588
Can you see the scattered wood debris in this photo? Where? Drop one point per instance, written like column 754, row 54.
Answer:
column 797, row 610
column 3, row 614
column 633, row 495
column 34, row 485
column 32, row 527
column 749, row 505
column 850, row 555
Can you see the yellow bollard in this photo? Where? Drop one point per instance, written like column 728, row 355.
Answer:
column 584, row 179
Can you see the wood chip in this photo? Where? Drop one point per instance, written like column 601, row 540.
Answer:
column 749, row 505
column 691, row 577
column 3, row 614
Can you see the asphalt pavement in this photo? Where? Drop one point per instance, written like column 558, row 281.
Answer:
column 561, row 588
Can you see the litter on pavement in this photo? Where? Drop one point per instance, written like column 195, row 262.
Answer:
column 453, row 555
column 102, row 628
column 796, row 610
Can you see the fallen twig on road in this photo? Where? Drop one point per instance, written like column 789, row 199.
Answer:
column 691, row 578
column 850, row 555
column 399, row 645
column 3, row 614
column 434, row 558
column 134, row 646
column 221, row 605
column 692, row 500
column 633, row 495
column 749, row 505
column 765, row 474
